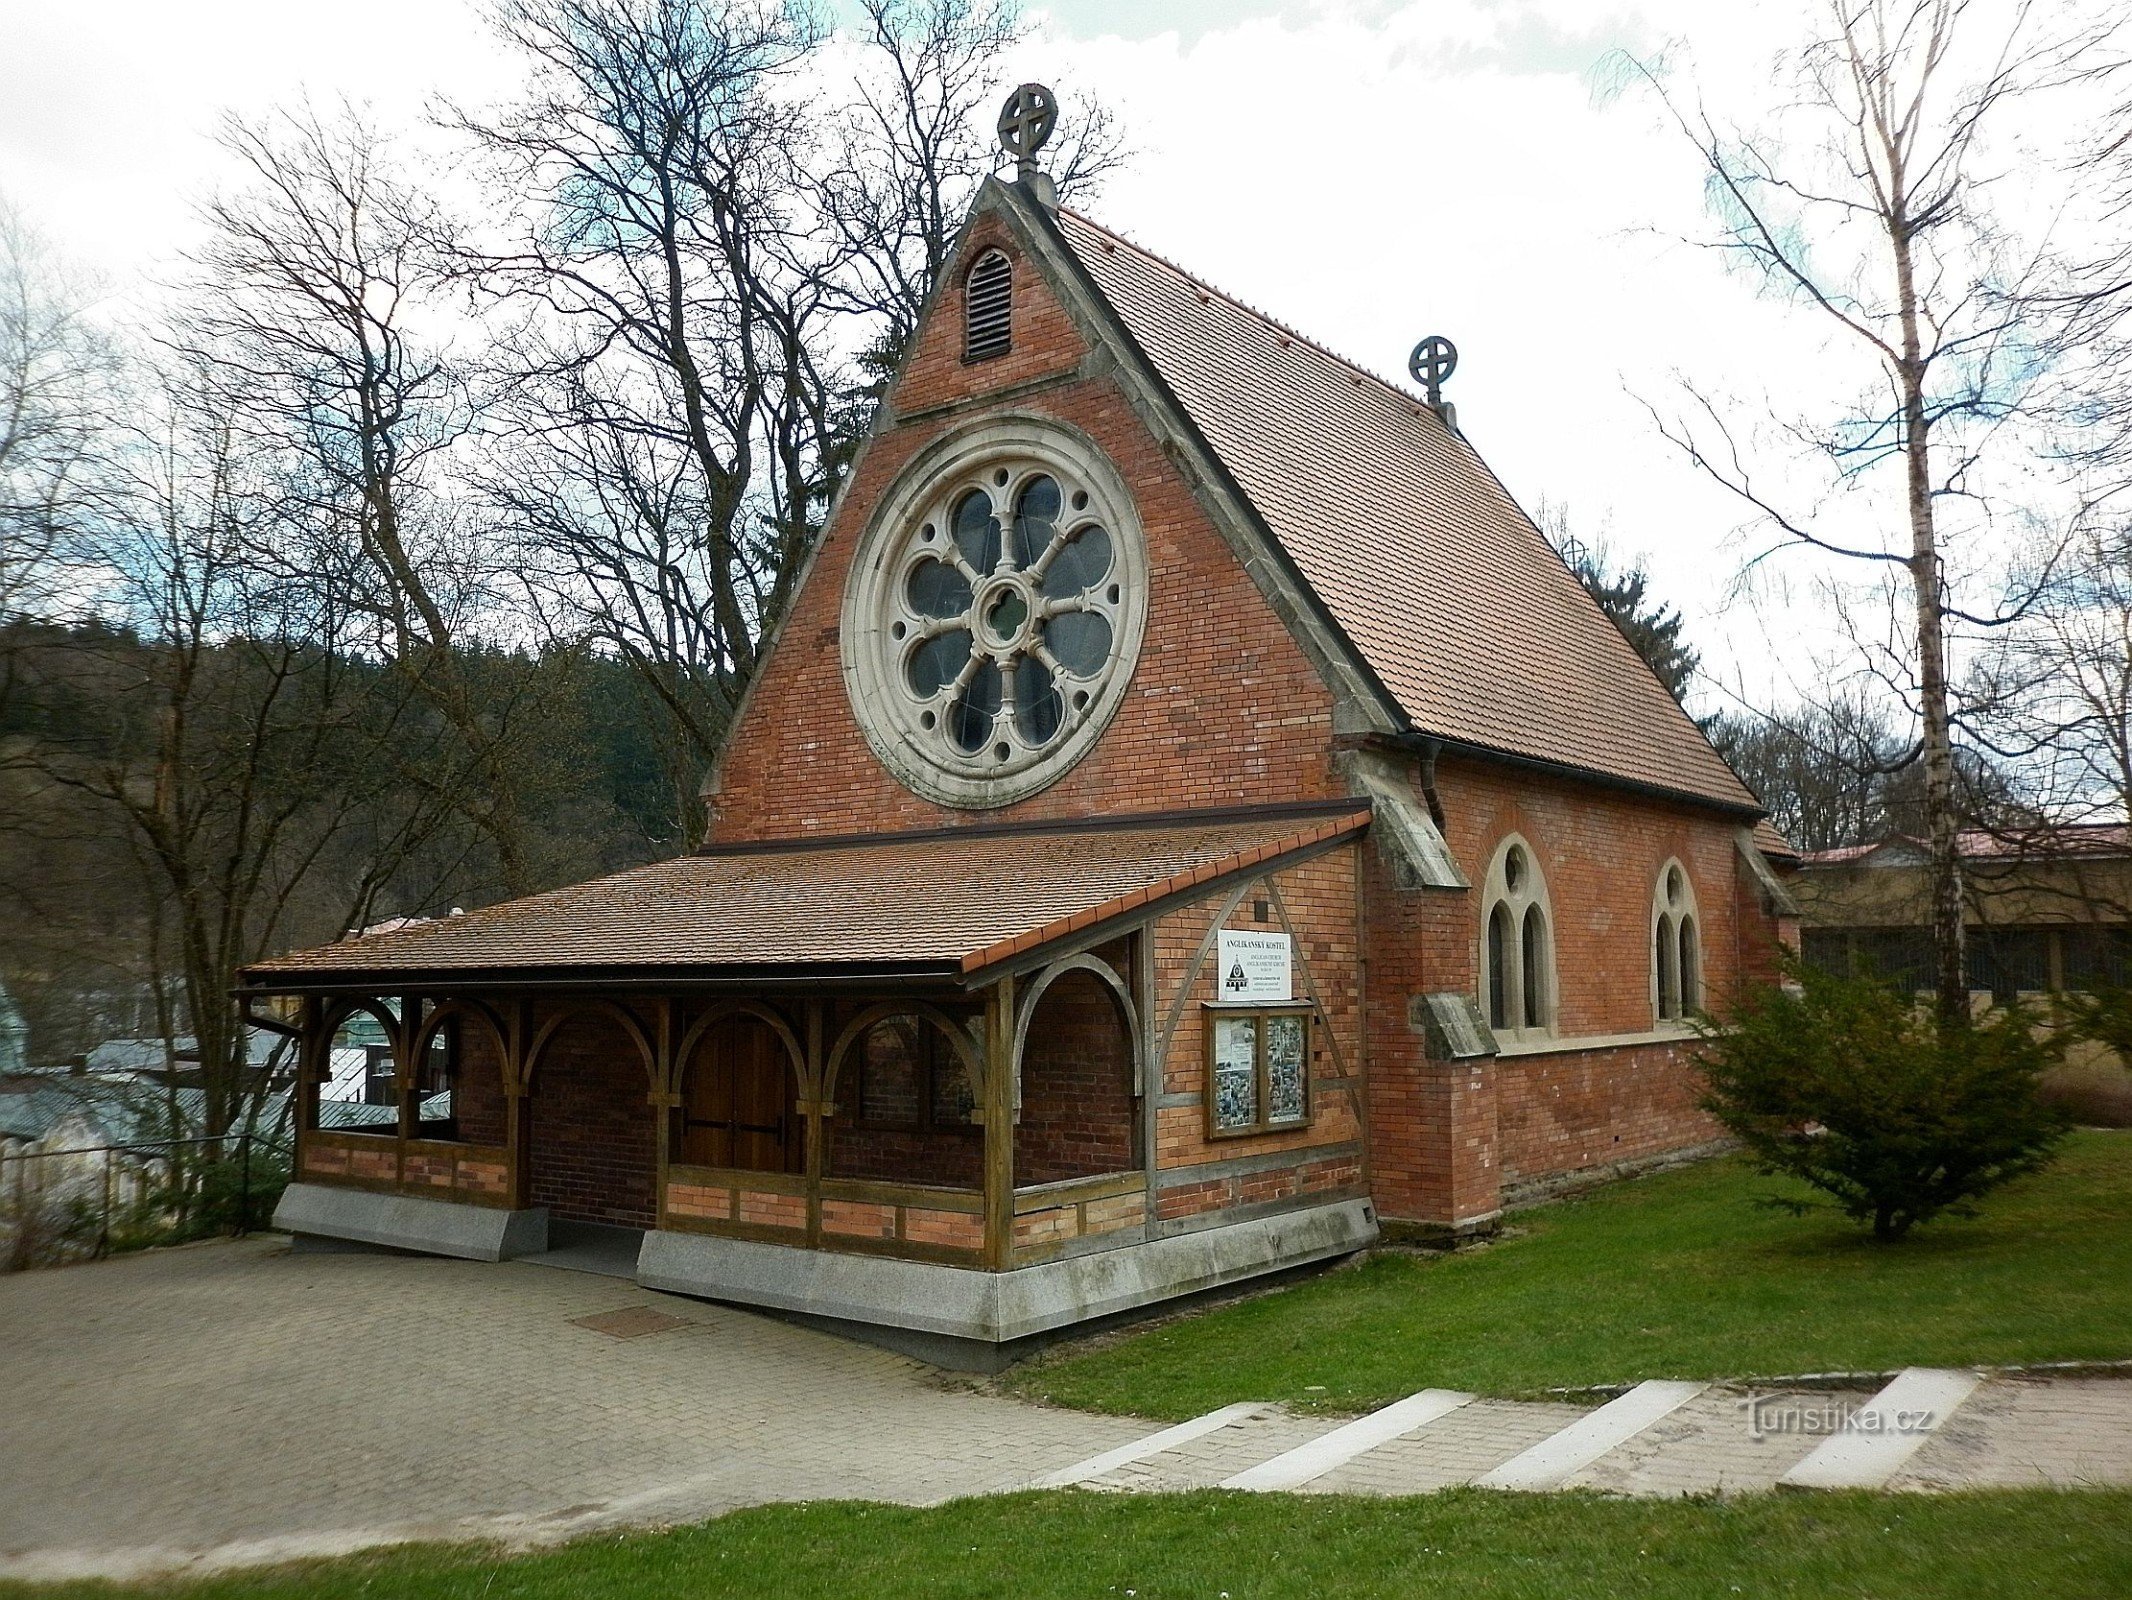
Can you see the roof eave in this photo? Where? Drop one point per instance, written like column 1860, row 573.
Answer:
column 1418, row 740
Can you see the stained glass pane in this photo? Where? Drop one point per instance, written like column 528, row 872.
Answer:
column 938, row 590
column 1036, row 517
column 1080, row 566
column 1080, row 640
column 970, row 718
column 1235, row 1072
column 977, row 531
column 1038, row 707
column 938, row 662
column 1286, row 1069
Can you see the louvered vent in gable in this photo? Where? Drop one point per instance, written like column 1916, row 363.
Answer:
column 988, row 308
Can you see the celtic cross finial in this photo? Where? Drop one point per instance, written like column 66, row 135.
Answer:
column 1433, row 360
column 1025, row 122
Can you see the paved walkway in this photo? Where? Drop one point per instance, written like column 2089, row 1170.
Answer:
column 233, row 1403
column 239, row 1402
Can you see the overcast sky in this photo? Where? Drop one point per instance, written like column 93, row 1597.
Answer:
column 1368, row 172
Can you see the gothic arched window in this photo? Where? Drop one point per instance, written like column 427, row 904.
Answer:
column 1519, row 960
column 1676, row 947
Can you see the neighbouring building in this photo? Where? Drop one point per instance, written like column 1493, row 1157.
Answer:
column 2048, row 910
column 1188, row 823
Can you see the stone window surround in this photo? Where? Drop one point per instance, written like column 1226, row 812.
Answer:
column 1679, row 916
column 924, row 759
column 1531, row 893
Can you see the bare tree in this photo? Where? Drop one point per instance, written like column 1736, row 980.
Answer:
column 911, row 147
column 1877, row 222
column 665, row 442
column 2062, row 682
column 218, row 733
column 311, row 323
column 51, row 360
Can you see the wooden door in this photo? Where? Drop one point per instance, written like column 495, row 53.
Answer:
column 740, row 1108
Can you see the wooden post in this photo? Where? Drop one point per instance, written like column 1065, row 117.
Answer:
column 663, row 1100
column 815, row 1108
column 1148, row 1082
column 517, row 1130
column 313, row 1055
column 404, row 1041
column 999, row 1125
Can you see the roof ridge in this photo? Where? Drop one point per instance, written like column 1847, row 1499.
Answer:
column 1294, row 335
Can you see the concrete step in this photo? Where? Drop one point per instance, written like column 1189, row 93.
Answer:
column 1875, row 1443
column 1454, row 1449
column 1550, row 1463
column 1316, row 1457
column 1214, row 1456
column 1155, row 1444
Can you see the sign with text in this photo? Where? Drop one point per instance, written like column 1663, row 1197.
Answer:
column 1255, row 966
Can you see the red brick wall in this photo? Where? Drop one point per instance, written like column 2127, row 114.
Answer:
column 950, row 1158
column 1432, row 1124
column 1446, row 1139
column 477, row 1096
column 594, row 1136
column 1224, row 709
column 1600, row 851
column 1319, row 899
column 1563, row 1113
column 1077, row 1086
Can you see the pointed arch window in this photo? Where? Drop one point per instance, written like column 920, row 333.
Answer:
column 988, row 308
column 1676, row 946
column 1518, row 961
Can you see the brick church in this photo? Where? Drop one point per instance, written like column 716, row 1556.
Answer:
column 1189, row 825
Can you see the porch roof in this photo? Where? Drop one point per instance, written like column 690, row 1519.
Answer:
column 940, row 905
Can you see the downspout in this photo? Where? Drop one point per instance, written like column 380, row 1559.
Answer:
column 1429, row 751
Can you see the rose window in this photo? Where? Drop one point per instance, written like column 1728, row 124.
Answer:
column 1000, row 611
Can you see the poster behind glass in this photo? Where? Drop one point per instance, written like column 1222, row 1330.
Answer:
column 1286, row 1069
column 1235, row 1072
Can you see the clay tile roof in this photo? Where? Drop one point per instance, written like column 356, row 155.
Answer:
column 1446, row 588
column 939, row 903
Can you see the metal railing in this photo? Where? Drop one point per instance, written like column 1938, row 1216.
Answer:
column 181, row 1196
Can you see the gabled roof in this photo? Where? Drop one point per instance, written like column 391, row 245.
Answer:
column 937, row 905
column 1450, row 595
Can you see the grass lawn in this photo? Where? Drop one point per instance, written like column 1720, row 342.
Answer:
column 1678, row 1275
column 1261, row 1547
column 2064, row 1546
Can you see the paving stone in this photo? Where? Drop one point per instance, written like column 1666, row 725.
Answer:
column 2064, row 1432
column 1725, row 1440
column 344, row 1398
